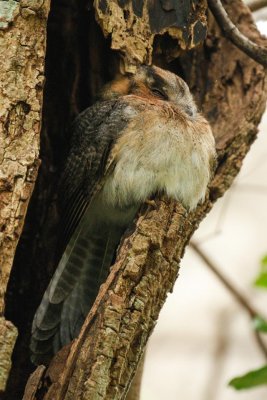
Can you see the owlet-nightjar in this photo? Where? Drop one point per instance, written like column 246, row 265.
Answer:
column 144, row 136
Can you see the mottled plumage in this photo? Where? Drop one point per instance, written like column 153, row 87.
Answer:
column 144, row 136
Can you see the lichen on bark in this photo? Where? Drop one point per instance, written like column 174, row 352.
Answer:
column 133, row 25
column 231, row 91
column 22, row 54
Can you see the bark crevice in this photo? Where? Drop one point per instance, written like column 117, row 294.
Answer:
column 230, row 90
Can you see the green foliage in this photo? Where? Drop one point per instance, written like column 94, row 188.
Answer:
column 258, row 376
column 261, row 280
column 251, row 379
column 260, row 324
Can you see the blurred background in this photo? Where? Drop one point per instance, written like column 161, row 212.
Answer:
column 203, row 337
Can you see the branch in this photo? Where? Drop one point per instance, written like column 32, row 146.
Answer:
column 8, row 336
column 256, row 5
column 135, row 388
column 241, row 299
column 186, row 24
column 101, row 362
column 257, row 53
column 22, row 53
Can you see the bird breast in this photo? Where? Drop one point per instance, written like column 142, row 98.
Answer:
column 161, row 150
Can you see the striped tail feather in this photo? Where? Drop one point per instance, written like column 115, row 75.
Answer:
column 84, row 265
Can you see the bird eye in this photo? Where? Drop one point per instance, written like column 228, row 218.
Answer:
column 189, row 111
column 159, row 93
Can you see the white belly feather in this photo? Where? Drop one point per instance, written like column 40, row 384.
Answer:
column 169, row 159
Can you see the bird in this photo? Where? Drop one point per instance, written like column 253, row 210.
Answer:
column 142, row 137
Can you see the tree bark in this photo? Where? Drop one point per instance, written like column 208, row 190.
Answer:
column 135, row 387
column 101, row 363
column 22, row 52
column 256, row 5
column 133, row 26
column 230, row 90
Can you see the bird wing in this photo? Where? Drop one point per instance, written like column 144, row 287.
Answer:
column 89, row 162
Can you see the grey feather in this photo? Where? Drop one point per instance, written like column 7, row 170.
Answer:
column 84, row 234
column 123, row 151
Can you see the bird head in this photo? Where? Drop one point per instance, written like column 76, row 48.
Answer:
column 153, row 82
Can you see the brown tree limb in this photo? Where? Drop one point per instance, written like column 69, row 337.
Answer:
column 22, row 53
column 8, row 336
column 241, row 298
column 256, row 52
column 135, row 388
column 101, row 363
column 141, row 22
column 256, row 5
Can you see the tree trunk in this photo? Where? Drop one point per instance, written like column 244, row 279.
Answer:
column 22, row 52
column 230, row 90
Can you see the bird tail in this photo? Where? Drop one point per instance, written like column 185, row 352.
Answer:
column 84, row 265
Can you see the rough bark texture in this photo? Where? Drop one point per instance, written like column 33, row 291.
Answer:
column 230, row 89
column 8, row 336
column 100, row 364
column 22, row 52
column 136, row 384
column 133, row 26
